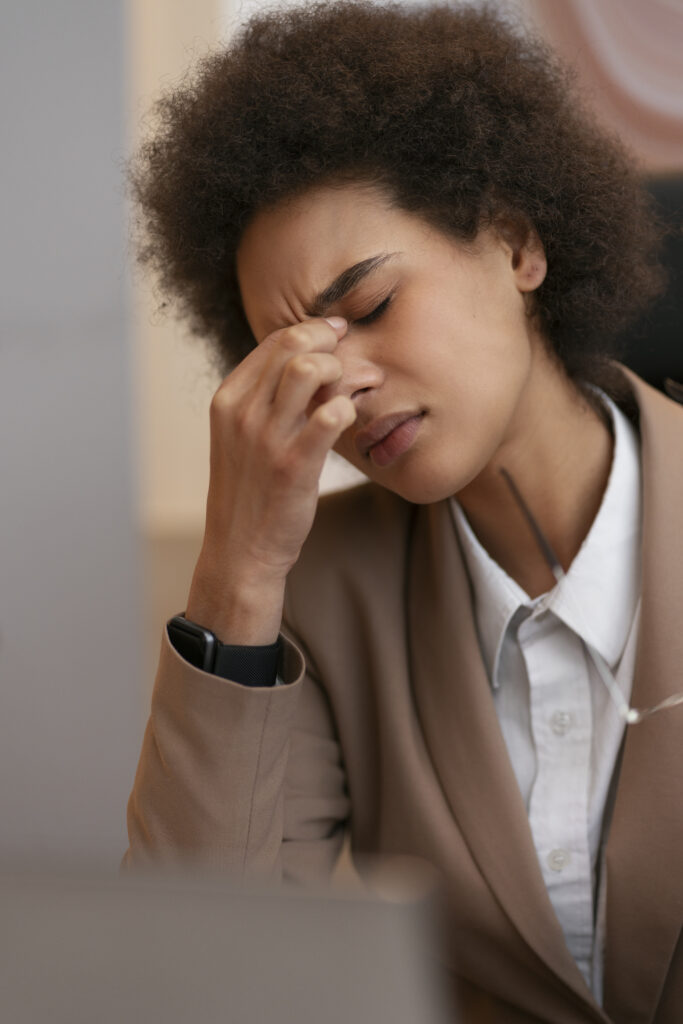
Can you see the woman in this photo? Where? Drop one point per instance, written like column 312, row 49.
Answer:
column 413, row 247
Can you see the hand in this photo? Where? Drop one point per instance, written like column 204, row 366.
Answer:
column 268, row 448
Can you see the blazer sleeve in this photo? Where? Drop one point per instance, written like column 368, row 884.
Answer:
column 241, row 780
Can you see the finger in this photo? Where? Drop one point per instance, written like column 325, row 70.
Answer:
column 309, row 336
column 323, row 429
column 301, row 378
column 258, row 376
column 315, row 330
column 268, row 355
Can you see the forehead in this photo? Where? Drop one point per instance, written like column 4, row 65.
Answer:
column 291, row 252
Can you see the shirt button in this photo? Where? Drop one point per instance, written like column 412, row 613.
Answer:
column 561, row 722
column 558, row 859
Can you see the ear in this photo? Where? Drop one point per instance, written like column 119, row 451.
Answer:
column 526, row 254
column 529, row 264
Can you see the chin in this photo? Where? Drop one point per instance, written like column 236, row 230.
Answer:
column 424, row 488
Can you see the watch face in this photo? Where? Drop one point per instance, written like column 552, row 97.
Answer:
column 193, row 643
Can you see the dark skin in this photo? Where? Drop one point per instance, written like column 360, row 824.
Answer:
column 434, row 331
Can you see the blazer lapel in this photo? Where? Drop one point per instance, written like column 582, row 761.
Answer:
column 453, row 699
column 645, row 846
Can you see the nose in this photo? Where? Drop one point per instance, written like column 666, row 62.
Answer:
column 359, row 376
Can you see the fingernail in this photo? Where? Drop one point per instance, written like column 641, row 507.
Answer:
column 336, row 321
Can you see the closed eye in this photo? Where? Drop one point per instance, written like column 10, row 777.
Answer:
column 375, row 314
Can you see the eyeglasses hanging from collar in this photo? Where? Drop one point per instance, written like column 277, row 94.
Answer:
column 630, row 715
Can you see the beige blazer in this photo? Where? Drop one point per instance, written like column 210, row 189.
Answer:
column 387, row 727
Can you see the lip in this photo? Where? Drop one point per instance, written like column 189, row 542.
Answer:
column 371, row 435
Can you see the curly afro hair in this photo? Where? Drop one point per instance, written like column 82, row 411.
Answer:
column 464, row 118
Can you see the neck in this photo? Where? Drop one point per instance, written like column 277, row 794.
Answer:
column 558, row 449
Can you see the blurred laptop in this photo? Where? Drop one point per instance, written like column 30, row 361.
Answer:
column 171, row 949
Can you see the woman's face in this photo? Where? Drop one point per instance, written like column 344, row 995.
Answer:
column 438, row 340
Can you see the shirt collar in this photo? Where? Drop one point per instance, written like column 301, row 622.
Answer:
column 598, row 597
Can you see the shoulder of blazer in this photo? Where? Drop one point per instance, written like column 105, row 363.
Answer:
column 661, row 412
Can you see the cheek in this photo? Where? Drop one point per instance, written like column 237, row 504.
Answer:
column 484, row 396
column 484, row 358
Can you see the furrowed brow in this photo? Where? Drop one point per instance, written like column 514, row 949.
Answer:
column 347, row 281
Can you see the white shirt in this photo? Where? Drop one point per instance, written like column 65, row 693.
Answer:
column 562, row 731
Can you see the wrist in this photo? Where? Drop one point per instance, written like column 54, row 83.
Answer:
column 238, row 610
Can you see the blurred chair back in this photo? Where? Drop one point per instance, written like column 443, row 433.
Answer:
column 653, row 346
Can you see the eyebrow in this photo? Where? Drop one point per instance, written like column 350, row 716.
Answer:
column 347, row 281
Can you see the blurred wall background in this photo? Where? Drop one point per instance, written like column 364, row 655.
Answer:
column 70, row 637
column 103, row 401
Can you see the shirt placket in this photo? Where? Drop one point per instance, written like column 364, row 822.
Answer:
column 561, row 726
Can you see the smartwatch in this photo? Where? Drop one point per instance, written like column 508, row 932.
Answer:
column 250, row 666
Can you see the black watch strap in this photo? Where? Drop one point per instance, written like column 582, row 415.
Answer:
column 248, row 665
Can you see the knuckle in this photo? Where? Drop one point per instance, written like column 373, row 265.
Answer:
column 336, row 413
column 243, row 419
column 221, row 403
column 285, row 469
column 295, row 339
column 302, row 367
column 326, row 416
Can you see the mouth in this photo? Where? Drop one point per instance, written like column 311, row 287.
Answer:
column 385, row 439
